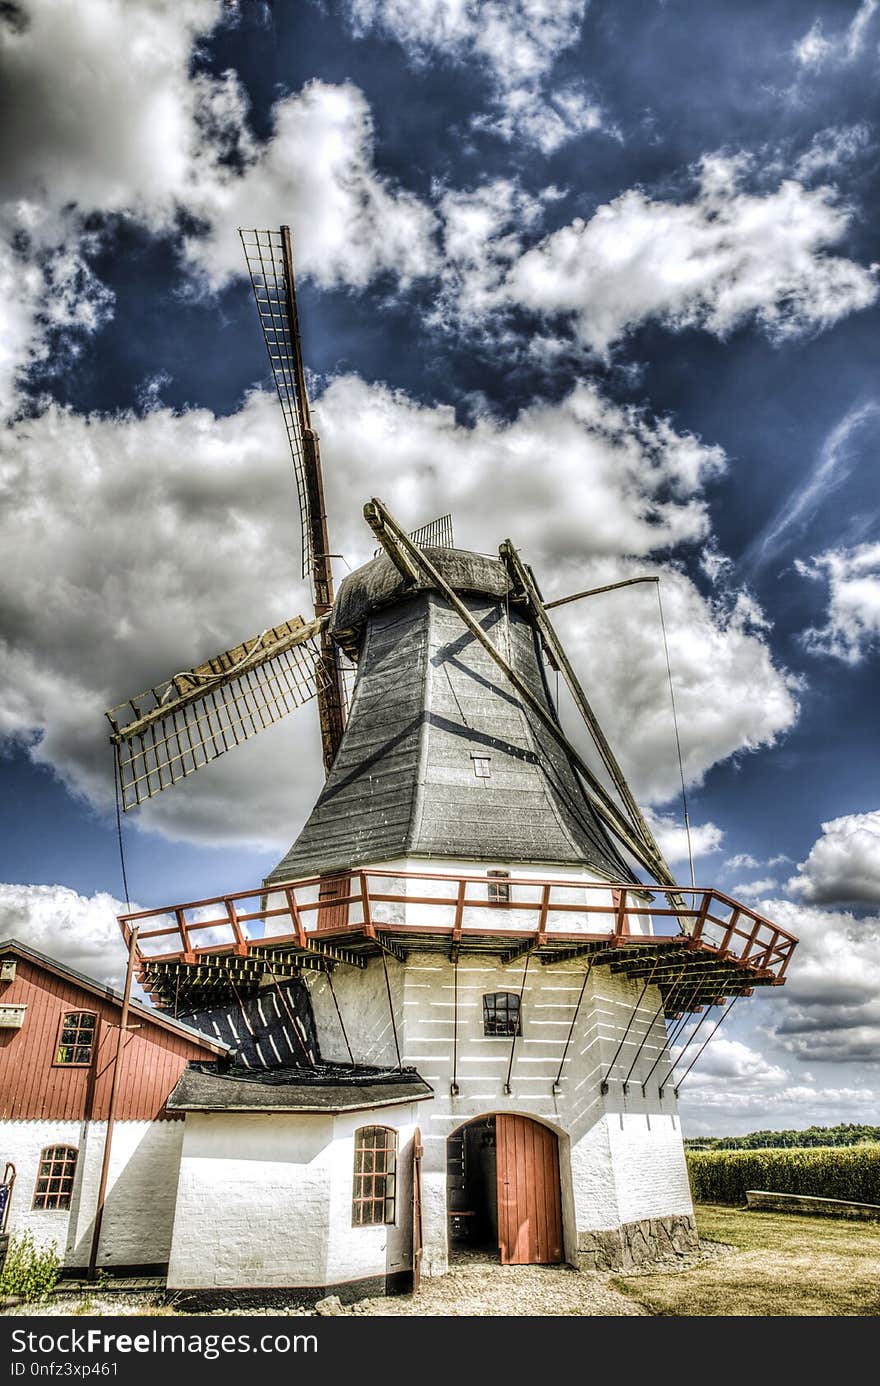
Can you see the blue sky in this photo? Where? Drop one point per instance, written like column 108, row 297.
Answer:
column 600, row 277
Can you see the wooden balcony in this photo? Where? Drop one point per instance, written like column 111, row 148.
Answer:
column 697, row 945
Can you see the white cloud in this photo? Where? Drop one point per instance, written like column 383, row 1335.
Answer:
column 482, row 237
column 517, row 41
column 814, row 50
column 316, row 171
column 729, row 694
column 546, row 120
column 843, row 865
column 829, row 1009
column 714, row 262
column 163, row 545
column 80, row 930
column 672, row 838
column 134, row 548
column 611, row 479
column 852, row 627
column 750, row 890
column 104, row 116
column 729, row 1058
column 732, row 1110
column 743, row 861
column 832, row 147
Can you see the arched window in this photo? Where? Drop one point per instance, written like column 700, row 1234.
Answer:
column 374, row 1197
column 54, row 1184
column 501, row 1013
column 76, row 1038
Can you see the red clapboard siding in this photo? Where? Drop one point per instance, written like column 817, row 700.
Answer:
column 33, row 1087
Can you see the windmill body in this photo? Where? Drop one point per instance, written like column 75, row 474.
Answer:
column 440, row 760
column 453, row 1006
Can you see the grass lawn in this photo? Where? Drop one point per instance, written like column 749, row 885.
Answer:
column 783, row 1265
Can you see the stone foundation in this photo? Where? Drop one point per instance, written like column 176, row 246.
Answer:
column 638, row 1243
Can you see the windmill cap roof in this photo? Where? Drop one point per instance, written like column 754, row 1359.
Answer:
column 379, row 583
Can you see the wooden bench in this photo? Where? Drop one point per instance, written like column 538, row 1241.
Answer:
column 768, row 1201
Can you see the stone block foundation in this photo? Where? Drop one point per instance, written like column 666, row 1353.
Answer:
column 638, row 1243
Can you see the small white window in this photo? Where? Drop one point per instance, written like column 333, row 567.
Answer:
column 482, row 765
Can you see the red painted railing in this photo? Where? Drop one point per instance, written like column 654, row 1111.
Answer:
column 293, row 913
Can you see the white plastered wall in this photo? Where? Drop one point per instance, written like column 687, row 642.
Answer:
column 141, row 1187
column 265, row 1200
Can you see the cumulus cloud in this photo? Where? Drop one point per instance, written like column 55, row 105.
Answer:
column 136, row 547
column 843, row 865
column 750, row 890
column 105, row 117
column 829, row 1010
column 672, row 838
column 814, row 50
column 730, row 1110
column 80, row 930
column 729, row 694
column 317, row 171
column 516, row 41
column 730, row 1058
column 609, row 479
column 743, row 861
column 852, row 627
column 716, row 261
column 163, row 545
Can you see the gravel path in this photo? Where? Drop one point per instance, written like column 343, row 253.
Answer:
column 485, row 1288
column 473, row 1286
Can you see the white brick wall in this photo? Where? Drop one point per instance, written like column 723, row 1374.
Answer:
column 141, row 1188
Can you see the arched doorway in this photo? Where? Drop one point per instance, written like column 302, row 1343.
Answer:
column 502, row 1189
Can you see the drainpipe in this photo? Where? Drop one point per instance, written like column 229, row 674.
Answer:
column 111, row 1110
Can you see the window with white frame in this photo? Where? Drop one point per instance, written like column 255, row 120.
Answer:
column 501, row 1013
column 374, row 1196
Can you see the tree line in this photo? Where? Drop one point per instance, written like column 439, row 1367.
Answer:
column 846, row 1134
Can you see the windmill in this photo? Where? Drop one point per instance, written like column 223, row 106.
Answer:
column 459, row 922
column 190, row 719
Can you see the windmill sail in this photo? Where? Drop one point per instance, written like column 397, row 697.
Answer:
column 189, row 720
column 276, row 306
column 269, row 259
column 436, row 534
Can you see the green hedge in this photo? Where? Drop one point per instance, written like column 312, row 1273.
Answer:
column 722, row 1176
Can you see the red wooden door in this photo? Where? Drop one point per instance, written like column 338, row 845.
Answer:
column 529, row 1204
column 332, row 916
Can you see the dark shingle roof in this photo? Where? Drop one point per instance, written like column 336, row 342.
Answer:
column 331, row 1088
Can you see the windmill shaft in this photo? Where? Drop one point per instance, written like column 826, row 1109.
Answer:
column 391, row 536
column 596, row 591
